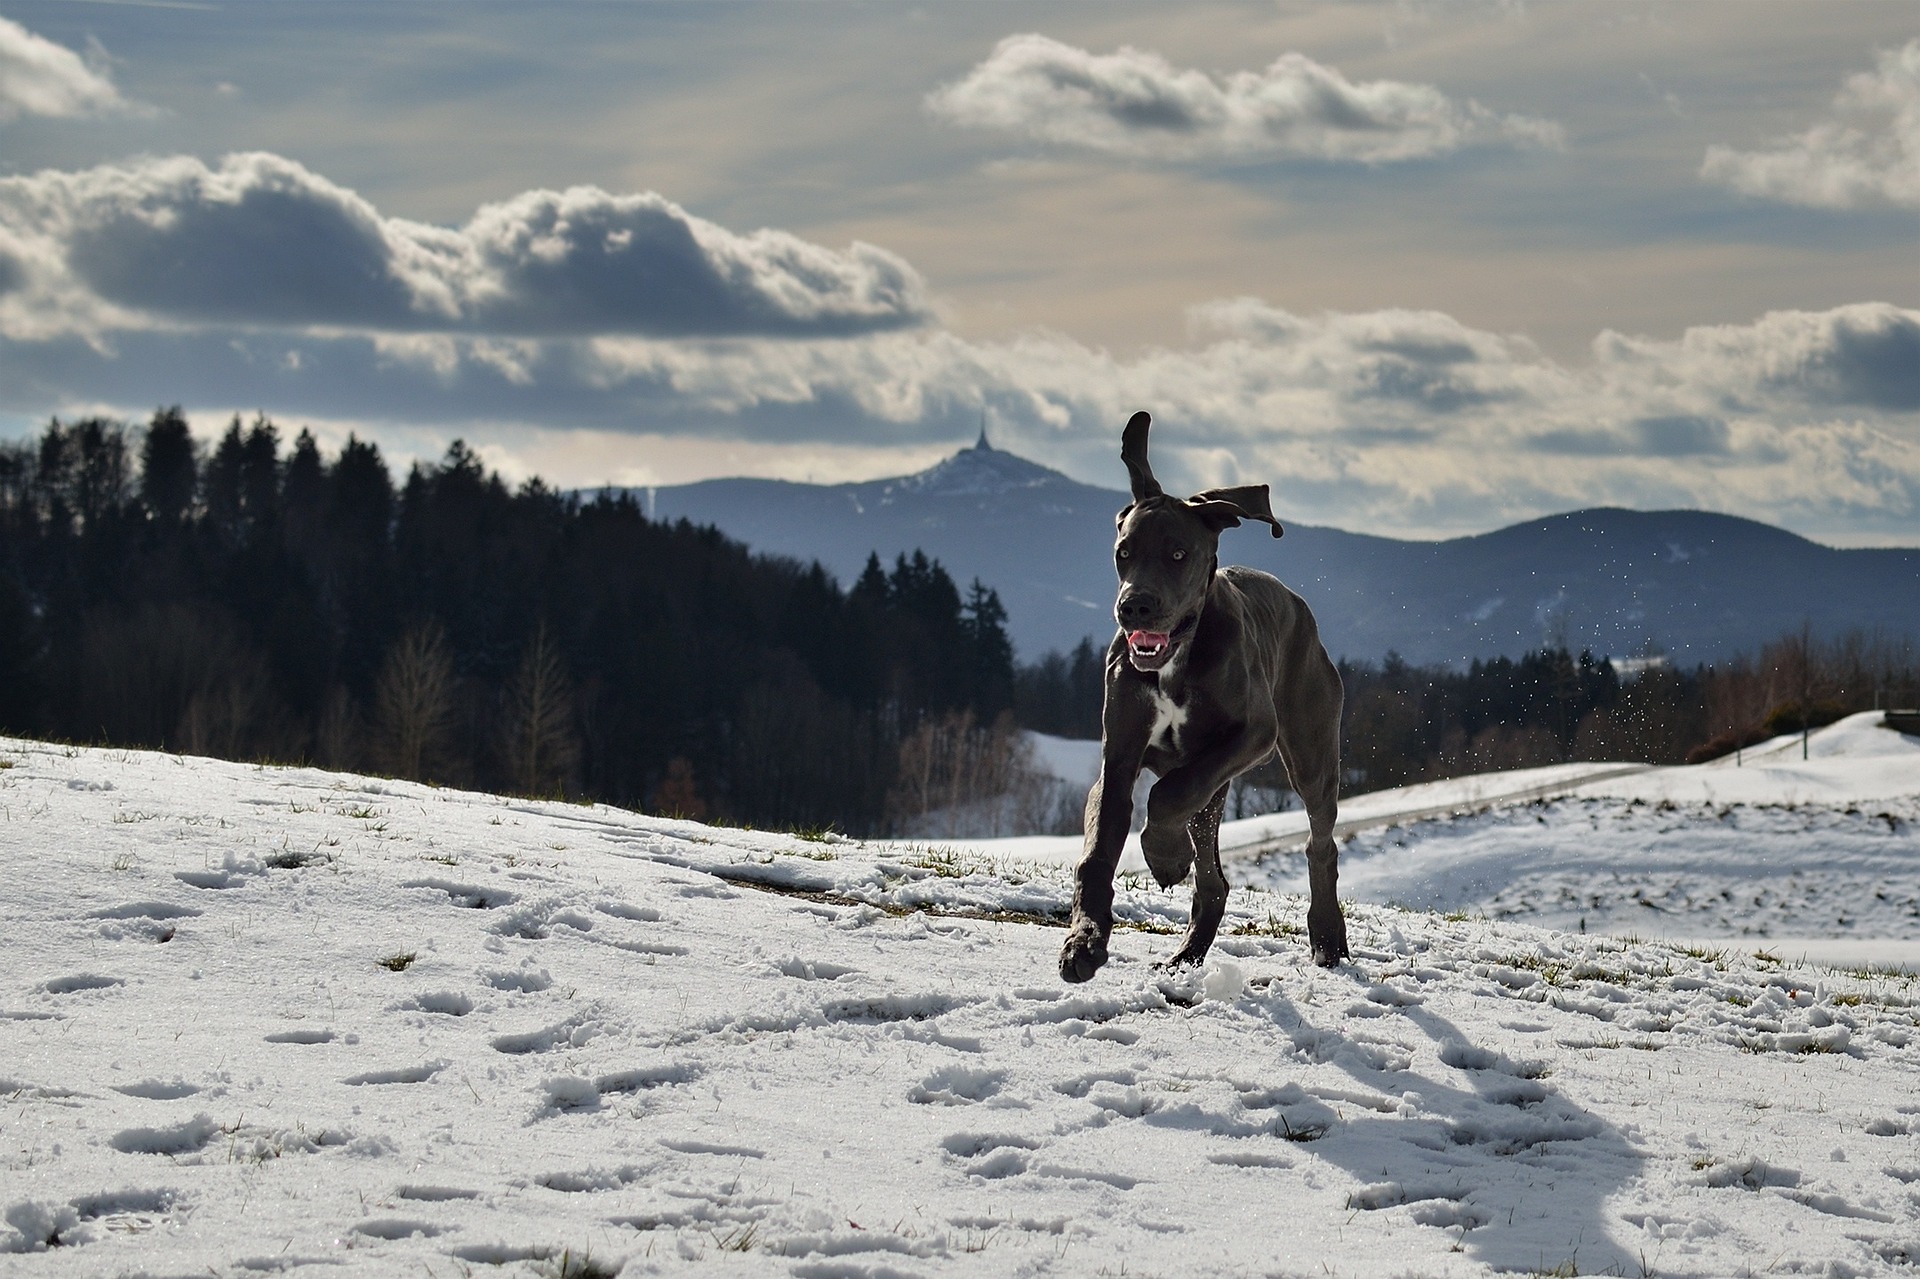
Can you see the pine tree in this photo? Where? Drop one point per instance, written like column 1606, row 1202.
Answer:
column 168, row 472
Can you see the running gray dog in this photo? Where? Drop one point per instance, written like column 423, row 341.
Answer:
column 1212, row 671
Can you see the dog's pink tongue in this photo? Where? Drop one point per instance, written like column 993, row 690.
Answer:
column 1147, row 639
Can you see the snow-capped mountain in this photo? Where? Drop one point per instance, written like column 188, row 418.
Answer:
column 1696, row 584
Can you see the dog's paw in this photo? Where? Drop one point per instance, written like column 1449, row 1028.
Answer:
column 1083, row 954
column 1328, row 936
column 1186, row 958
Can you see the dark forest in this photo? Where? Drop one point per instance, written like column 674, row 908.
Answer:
column 261, row 603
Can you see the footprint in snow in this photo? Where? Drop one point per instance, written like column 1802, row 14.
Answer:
column 144, row 910
column 528, row 981
column 398, row 1228
column 401, row 1075
column 622, row 910
column 467, row 896
column 956, row 1086
column 301, row 1036
column 688, row 1146
column 434, row 1194
column 990, row 1156
column 151, row 920
column 176, row 1139
column 646, row 1078
column 446, row 1003
column 79, row 982
column 813, row 969
column 234, row 872
column 574, row 1032
column 158, row 1089
column 590, row 1180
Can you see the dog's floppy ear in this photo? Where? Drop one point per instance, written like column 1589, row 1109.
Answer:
column 1133, row 451
column 1225, row 508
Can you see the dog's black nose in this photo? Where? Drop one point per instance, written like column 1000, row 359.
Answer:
column 1136, row 607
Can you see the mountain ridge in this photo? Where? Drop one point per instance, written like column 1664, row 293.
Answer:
column 1698, row 585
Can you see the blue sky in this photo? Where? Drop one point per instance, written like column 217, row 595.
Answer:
column 1425, row 268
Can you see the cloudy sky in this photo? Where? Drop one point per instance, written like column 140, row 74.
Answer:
column 1427, row 268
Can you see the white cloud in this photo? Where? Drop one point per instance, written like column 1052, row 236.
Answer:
column 262, row 241
column 39, row 77
column 1867, row 153
column 1403, row 422
column 261, row 283
column 1135, row 103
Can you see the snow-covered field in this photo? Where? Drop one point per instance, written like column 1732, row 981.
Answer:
column 262, row 1020
column 1818, row 856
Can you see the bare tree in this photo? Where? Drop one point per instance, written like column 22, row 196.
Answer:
column 678, row 794
column 338, row 736
column 958, row 777
column 538, row 742
column 413, row 702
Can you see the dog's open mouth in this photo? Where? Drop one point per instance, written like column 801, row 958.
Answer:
column 1151, row 650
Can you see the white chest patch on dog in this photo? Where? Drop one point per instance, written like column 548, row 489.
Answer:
column 1168, row 716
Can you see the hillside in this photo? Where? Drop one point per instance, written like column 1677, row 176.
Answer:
column 278, row 1020
column 1700, row 585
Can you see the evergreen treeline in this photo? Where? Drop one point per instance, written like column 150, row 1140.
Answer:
column 1409, row 724
column 259, row 603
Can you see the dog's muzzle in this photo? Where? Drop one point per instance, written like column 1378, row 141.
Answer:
column 1151, row 650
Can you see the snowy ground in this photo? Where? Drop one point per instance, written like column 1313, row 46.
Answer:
column 1817, row 857
column 259, row 1020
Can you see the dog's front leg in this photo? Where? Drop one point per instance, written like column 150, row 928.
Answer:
column 1126, row 720
column 1109, row 815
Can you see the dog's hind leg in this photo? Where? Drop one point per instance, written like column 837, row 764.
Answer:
column 1310, row 748
column 1209, row 883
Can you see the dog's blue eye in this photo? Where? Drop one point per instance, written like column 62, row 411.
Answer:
column 1124, row 553
column 1179, row 555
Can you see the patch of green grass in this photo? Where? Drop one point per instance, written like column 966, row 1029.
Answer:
column 1874, row 972
column 399, row 962
column 1302, row 1131
column 293, row 859
column 740, row 1239
column 946, row 863
column 816, row 834
column 1272, row 926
